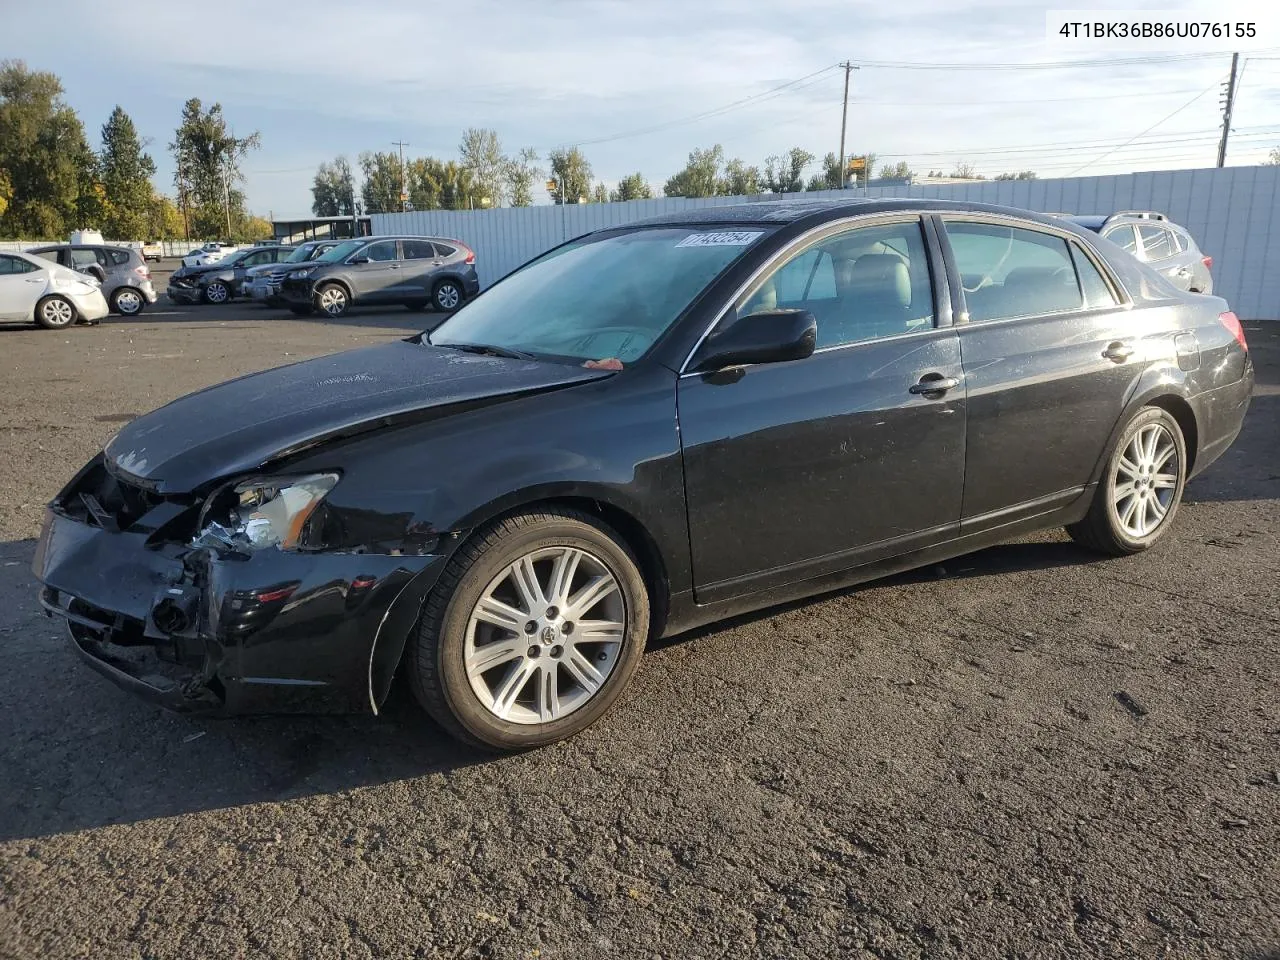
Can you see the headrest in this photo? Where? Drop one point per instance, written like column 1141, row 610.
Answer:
column 880, row 275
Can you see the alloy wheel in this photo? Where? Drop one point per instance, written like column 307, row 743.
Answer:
column 1146, row 480
column 216, row 292
column 447, row 296
column 57, row 312
column 128, row 302
column 545, row 635
column 333, row 301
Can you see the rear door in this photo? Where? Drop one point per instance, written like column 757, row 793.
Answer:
column 798, row 469
column 379, row 279
column 420, row 264
column 1161, row 250
column 1047, row 364
column 21, row 286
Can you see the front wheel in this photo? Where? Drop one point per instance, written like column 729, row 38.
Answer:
column 217, row 292
column 55, row 313
column 533, row 631
column 447, row 296
column 332, row 300
column 1138, row 496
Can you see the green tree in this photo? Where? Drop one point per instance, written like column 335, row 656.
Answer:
column 739, row 180
column 829, row 178
column 164, row 219
column 896, row 171
column 784, row 173
column 600, row 194
column 633, row 187
column 482, row 157
column 383, row 178
column 207, row 156
column 252, row 228
column 572, row 174
column 700, row 176
column 1020, row 175
column 6, row 192
column 521, row 171
column 126, row 173
column 333, row 191
column 965, row 171
column 1274, row 159
column 44, row 158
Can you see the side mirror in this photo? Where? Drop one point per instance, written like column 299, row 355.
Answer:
column 358, row 260
column 770, row 337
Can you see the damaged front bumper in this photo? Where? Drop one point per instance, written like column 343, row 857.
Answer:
column 195, row 630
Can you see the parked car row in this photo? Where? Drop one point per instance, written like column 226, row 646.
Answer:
column 331, row 276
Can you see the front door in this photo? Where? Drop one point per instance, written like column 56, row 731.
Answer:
column 21, row 285
column 797, row 469
column 1047, row 365
column 379, row 279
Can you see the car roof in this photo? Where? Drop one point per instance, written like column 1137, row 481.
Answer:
column 827, row 208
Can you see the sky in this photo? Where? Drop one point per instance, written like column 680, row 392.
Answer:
column 639, row 84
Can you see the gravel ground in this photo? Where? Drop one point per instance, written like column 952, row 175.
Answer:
column 1029, row 752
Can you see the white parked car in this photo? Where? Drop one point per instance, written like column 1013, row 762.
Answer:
column 209, row 253
column 54, row 296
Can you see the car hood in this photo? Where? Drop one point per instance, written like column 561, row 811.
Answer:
column 243, row 424
column 195, row 271
column 265, row 268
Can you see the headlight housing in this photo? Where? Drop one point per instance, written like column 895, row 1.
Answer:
column 264, row 512
column 301, row 274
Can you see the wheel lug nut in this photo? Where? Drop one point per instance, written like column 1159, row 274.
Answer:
column 531, row 627
column 552, row 613
column 534, row 651
column 556, row 651
column 566, row 627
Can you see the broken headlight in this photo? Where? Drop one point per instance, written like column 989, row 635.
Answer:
column 265, row 512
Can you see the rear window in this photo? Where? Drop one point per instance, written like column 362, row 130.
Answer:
column 119, row 257
column 1123, row 237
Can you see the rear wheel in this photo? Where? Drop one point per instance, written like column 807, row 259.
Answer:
column 1138, row 496
column 127, row 302
column 55, row 313
column 447, row 296
column 332, row 299
column 533, row 631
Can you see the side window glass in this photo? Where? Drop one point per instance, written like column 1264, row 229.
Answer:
column 1011, row 272
column 443, row 251
column 50, row 255
column 381, row 252
column 83, row 258
column 10, row 265
column 1178, row 240
column 418, row 250
column 1155, row 242
column 119, row 257
column 1097, row 294
column 860, row 284
column 1123, row 237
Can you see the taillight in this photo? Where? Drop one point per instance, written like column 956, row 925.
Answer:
column 471, row 255
column 1232, row 323
column 1208, row 262
column 142, row 271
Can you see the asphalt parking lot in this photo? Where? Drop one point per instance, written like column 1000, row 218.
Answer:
column 1026, row 752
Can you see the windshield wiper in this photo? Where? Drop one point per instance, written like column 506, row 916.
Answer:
column 488, row 350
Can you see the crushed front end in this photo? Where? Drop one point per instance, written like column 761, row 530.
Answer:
column 184, row 602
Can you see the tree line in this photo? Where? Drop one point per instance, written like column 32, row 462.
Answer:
column 484, row 175
column 52, row 181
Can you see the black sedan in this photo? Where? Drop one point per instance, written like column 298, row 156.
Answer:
column 646, row 429
column 222, row 281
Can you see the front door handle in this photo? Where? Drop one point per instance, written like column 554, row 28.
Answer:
column 932, row 383
column 1119, row 351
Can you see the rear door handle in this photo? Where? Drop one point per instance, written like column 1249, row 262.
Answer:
column 1119, row 351
column 933, row 383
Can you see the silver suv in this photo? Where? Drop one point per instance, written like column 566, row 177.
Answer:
column 123, row 273
column 1155, row 240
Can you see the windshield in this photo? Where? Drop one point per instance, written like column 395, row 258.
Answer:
column 599, row 298
column 341, row 251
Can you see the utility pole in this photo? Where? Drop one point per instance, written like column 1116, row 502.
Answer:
column 1226, row 111
column 844, row 117
column 404, row 183
column 186, row 217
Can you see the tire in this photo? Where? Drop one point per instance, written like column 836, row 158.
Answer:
column 506, row 707
column 128, row 302
column 447, row 296
column 1120, row 524
column 300, row 311
column 216, row 292
column 55, row 313
column 332, row 300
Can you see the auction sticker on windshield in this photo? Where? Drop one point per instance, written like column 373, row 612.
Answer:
column 733, row 238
